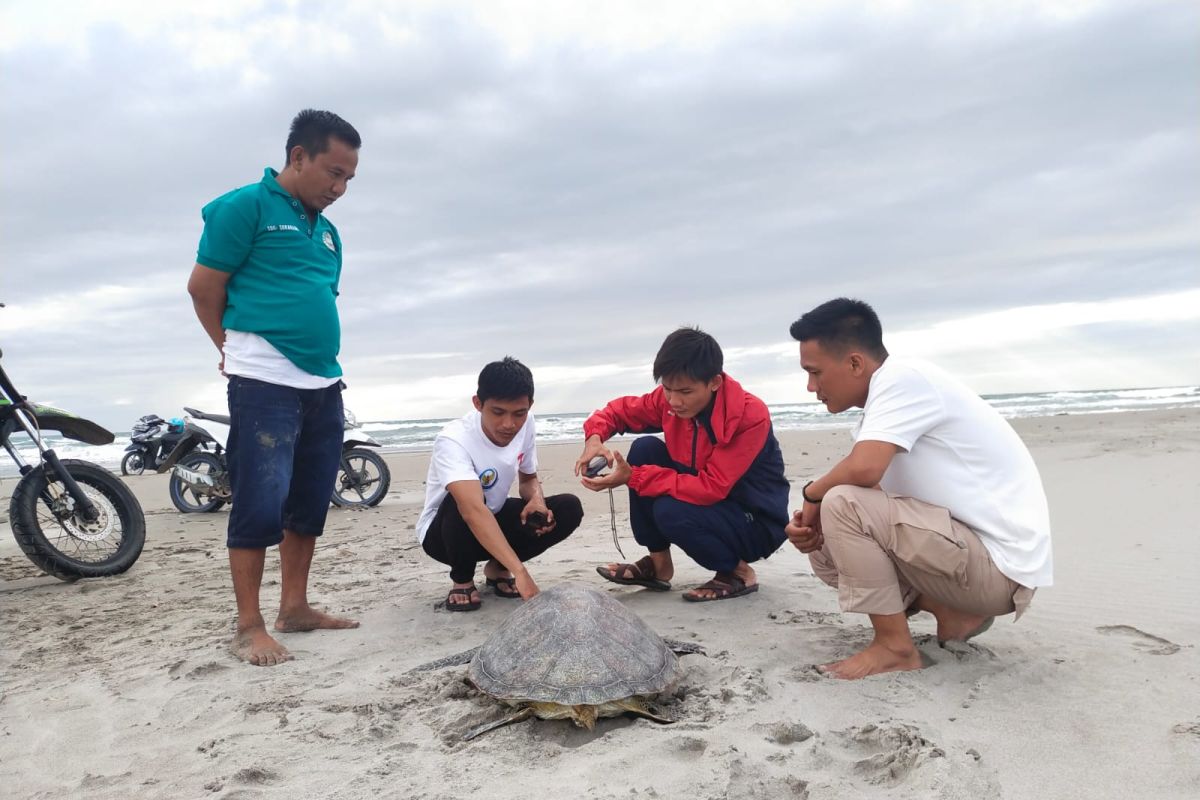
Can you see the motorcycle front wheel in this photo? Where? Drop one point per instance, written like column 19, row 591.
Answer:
column 62, row 542
column 133, row 464
column 185, row 497
column 362, row 480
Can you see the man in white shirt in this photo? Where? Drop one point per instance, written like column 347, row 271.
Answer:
column 468, row 515
column 938, row 507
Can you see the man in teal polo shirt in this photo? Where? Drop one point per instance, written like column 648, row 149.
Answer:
column 264, row 287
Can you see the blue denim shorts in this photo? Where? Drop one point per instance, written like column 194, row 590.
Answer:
column 284, row 448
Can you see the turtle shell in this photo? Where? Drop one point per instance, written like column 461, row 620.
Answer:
column 573, row 646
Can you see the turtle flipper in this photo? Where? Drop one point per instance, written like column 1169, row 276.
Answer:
column 638, row 707
column 685, row 648
column 520, row 716
column 455, row 660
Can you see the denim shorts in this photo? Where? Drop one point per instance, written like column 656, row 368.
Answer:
column 284, row 448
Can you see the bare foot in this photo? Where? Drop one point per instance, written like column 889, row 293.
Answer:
column 953, row 625
column 307, row 618
column 494, row 570
column 875, row 659
column 256, row 646
column 962, row 627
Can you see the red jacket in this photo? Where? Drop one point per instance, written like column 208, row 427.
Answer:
column 741, row 445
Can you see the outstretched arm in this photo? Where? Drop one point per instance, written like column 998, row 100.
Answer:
column 469, row 497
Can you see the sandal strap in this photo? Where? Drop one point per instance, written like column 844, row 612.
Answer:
column 644, row 567
column 723, row 583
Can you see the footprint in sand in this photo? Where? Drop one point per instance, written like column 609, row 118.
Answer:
column 752, row 782
column 1146, row 642
column 204, row 670
column 787, row 733
column 255, row 775
column 1187, row 729
column 889, row 752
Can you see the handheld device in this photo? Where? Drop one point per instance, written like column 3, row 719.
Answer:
column 595, row 466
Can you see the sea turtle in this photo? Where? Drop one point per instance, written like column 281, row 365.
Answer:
column 571, row 653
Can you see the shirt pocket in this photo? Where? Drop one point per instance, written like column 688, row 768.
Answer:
column 926, row 540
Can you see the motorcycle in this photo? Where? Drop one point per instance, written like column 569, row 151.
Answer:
column 150, row 442
column 72, row 518
column 363, row 476
column 199, row 480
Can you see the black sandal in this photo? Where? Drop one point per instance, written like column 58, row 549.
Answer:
column 465, row 591
column 504, row 587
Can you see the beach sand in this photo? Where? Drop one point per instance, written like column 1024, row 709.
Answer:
column 124, row 688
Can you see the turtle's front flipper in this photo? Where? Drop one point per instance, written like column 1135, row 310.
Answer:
column 449, row 661
column 520, row 716
column 638, row 707
column 685, row 648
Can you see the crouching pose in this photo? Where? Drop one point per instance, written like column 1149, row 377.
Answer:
column 713, row 486
column 938, row 507
column 468, row 515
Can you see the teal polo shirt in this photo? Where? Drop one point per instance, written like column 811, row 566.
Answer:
column 284, row 265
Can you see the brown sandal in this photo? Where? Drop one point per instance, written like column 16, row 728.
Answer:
column 642, row 571
column 724, row 585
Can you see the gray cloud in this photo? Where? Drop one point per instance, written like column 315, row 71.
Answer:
column 571, row 204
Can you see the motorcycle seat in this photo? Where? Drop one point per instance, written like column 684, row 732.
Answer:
column 221, row 418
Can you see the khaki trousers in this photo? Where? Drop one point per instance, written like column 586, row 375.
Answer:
column 881, row 552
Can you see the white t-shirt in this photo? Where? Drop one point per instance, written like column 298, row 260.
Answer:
column 957, row 452
column 251, row 356
column 462, row 452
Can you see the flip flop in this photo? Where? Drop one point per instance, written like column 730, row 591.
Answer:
column 726, row 586
column 462, row 592
column 643, row 571
column 504, row 587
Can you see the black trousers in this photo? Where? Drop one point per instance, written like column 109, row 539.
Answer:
column 450, row 540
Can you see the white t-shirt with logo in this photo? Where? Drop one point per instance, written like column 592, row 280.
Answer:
column 957, row 452
column 251, row 356
column 462, row 452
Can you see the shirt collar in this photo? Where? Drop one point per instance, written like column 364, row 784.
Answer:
column 270, row 179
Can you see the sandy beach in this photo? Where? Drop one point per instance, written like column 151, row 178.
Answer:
column 124, row 688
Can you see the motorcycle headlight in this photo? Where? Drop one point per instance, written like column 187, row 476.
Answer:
column 351, row 420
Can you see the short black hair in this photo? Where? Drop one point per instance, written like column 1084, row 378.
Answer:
column 507, row 379
column 689, row 352
column 311, row 130
column 842, row 325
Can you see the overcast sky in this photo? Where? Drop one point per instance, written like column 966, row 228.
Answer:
column 1014, row 186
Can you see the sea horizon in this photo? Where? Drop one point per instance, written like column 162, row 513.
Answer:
column 417, row 435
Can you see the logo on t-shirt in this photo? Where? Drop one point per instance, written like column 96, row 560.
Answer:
column 488, row 478
column 327, row 238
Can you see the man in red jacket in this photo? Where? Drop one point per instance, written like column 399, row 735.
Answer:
column 714, row 485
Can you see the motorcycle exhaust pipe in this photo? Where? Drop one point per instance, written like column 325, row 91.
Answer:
column 199, row 482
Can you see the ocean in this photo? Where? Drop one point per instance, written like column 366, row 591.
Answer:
column 418, row 435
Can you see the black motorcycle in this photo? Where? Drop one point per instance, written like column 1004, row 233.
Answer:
column 74, row 519
column 150, row 442
column 200, row 479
